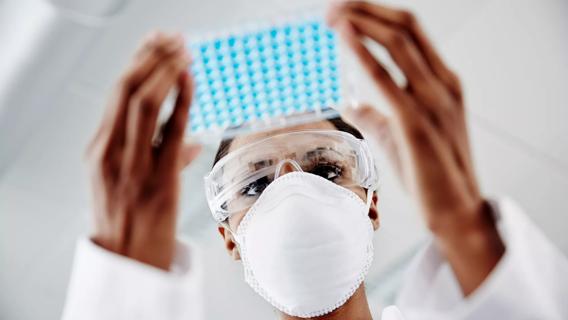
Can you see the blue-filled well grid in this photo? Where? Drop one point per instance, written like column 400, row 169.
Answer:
column 255, row 75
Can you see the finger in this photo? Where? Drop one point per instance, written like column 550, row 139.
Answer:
column 109, row 137
column 373, row 123
column 160, row 40
column 154, row 48
column 368, row 119
column 400, row 47
column 378, row 128
column 174, row 128
column 188, row 153
column 145, row 105
column 374, row 68
column 408, row 22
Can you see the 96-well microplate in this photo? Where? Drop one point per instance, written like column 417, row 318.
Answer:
column 260, row 75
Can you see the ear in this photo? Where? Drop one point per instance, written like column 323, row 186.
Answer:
column 230, row 243
column 374, row 212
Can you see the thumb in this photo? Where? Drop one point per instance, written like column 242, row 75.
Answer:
column 378, row 128
column 188, row 153
column 374, row 125
column 369, row 120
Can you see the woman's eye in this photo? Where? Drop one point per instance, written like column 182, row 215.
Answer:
column 328, row 171
column 255, row 188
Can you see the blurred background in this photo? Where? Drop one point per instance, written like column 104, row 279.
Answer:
column 59, row 59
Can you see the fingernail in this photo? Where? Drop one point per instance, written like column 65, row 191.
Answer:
column 346, row 29
column 332, row 13
column 154, row 34
column 186, row 57
column 178, row 37
column 175, row 46
column 152, row 37
column 336, row 4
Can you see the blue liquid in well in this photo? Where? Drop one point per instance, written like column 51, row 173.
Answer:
column 267, row 73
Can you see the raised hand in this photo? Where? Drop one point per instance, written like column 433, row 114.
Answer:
column 135, row 174
column 426, row 136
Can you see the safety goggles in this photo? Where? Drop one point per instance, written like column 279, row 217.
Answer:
column 238, row 179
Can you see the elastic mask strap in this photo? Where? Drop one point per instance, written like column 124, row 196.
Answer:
column 369, row 198
column 281, row 163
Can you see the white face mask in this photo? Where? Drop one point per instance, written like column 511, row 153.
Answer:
column 306, row 244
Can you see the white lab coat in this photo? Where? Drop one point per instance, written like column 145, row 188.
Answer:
column 530, row 282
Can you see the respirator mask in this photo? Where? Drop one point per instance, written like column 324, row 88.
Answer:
column 305, row 239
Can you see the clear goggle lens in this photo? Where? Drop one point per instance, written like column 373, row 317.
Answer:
column 237, row 180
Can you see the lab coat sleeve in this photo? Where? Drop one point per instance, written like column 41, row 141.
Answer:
column 529, row 282
column 105, row 285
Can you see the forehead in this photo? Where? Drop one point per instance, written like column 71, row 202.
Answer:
column 248, row 139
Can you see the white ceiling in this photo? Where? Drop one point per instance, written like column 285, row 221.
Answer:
column 510, row 54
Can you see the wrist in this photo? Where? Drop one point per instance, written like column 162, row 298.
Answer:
column 458, row 221
column 474, row 231
column 153, row 249
column 472, row 247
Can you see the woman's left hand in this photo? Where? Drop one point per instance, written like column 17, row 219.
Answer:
column 135, row 175
column 427, row 134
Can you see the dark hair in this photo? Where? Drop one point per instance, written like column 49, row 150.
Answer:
column 337, row 122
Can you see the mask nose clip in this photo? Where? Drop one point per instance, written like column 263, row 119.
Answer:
column 288, row 165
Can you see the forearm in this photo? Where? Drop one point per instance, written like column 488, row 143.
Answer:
column 471, row 245
column 135, row 178
column 150, row 243
column 528, row 282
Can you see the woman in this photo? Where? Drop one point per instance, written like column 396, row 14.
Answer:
column 281, row 199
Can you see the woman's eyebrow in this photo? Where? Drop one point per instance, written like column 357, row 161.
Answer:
column 259, row 164
column 313, row 151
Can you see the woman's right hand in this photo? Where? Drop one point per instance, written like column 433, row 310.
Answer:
column 427, row 135
column 135, row 176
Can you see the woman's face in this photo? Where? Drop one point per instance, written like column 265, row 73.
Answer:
column 235, row 219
